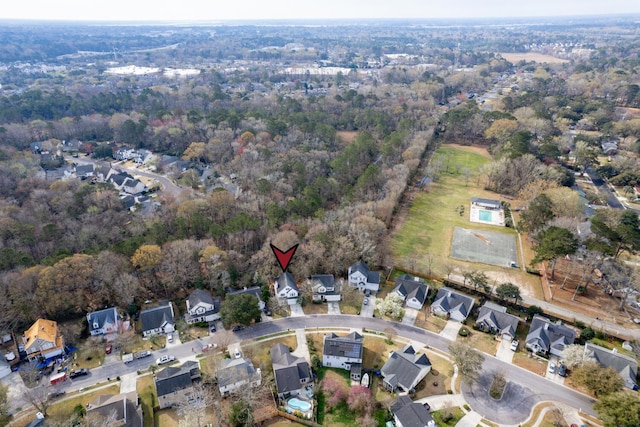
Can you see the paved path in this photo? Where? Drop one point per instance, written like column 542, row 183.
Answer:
column 333, row 308
column 410, row 315
column 296, row 310
column 128, row 382
column 450, row 330
column 443, row 401
column 367, row 310
column 504, row 352
column 472, row 419
column 302, row 350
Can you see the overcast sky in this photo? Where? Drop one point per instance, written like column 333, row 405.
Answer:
column 164, row 10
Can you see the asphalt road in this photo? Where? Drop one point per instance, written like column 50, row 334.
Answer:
column 538, row 387
column 612, row 200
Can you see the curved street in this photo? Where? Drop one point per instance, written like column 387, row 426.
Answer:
column 527, row 387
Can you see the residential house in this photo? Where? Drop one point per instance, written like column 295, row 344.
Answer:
column 407, row 413
column 235, row 374
column 609, row 148
column 117, row 179
column 256, row 291
column 202, row 307
column 412, row 289
column 344, row 352
column 493, row 318
column 158, row 320
column 404, row 369
column 133, row 186
column 43, row 339
column 175, row 384
column 84, row 171
column 286, row 288
column 325, row 288
column 626, row 366
column 364, row 279
column 120, row 410
column 548, row 337
column 103, row 322
column 291, row 373
column 124, row 153
column 452, row 304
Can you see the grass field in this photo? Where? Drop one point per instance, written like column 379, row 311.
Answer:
column 148, row 398
column 63, row 409
column 423, row 241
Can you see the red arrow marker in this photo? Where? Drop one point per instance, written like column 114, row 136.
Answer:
column 284, row 258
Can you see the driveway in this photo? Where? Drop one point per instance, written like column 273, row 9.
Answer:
column 367, row 310
column 504, row 352
column 302, row 350
column 410, row 315
column 450, row 330
column 296, row 310
column 333, row 307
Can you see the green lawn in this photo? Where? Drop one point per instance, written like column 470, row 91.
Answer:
column 62, row 410
column 428, row 229
column 148, row 398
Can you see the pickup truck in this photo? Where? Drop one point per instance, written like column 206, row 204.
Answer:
column 78, row 373
column 165, row 359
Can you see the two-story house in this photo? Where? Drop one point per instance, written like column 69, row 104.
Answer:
column 361, row 277
column 325, row 288
column 202, row 307
column 116, row 410
column 44, row 339
column 175, row 384
column 344, row 352
column 158, row 320
column 412, row 289
column 286, row 288
column 291, row 373
column 103, row 322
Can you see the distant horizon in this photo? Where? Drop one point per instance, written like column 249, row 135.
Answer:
column 193, row 11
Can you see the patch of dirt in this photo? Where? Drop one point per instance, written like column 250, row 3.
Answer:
column 346, row 135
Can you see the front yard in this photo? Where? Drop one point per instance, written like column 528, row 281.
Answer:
column 63, row 409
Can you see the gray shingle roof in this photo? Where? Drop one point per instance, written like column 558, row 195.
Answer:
column 372, row 276
column 232, row 371
column 405, row 368
column 410, row 287
column 626, row 366
column 343, row 346
column 172, row 378
column 287, row 279
column 123, row 406
column 198, row 296
column 451, row 301
column 497, row 320
column 486, row 202
column 411, row 414
column 153, row 318
column 254, row 290
column 101, row 317
column 549, row 335
column 288, row 370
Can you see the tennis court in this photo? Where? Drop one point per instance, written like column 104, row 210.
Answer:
column 486, row 247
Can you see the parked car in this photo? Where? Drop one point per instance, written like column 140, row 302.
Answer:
column 237, row 354
column 108, row 349
column 237, row 328
column 165, row 359
column 78, row 373
column 367, row 293
column 212, row 327
column 562, row 370
column 426, row 406
column 552, row 367
column 268, row 312
column 170, row 338
column 514, row 345
column 365, row 301
column 55, row 393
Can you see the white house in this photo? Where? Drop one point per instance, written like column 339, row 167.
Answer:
column 413, row 291
column 158, row 320
column 286, row 288
column 451, row 304
column 202, row 307
column 133, row 186
column 364, row 279
column 325, row 288
column 234, row 374
column 343, row 351
column 103, row 322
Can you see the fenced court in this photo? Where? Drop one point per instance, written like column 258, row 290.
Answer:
column 486, row 247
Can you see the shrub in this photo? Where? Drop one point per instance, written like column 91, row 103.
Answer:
column 463, row 332
column 587, row 333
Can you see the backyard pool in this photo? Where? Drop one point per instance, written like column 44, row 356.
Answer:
column 299, row 405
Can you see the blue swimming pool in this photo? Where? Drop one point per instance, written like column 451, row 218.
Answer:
column 299, row 405
column 486, row 216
